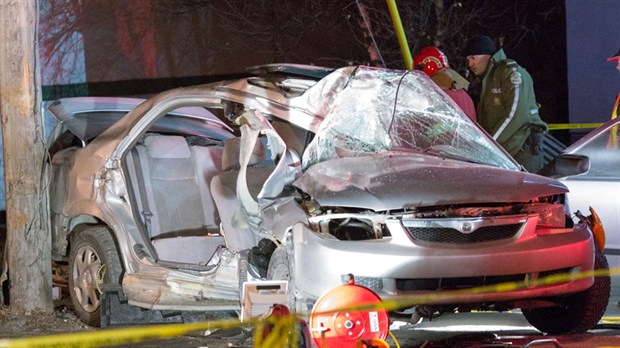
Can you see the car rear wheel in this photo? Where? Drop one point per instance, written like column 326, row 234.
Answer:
column 93, row 261
column 581, row 312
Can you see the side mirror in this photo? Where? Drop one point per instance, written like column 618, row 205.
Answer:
column 566, row 165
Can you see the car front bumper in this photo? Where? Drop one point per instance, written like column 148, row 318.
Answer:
column 390, row 266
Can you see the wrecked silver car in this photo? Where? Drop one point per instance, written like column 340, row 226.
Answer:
column 370, row 172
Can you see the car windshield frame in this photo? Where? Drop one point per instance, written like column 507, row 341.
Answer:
column 403, row 111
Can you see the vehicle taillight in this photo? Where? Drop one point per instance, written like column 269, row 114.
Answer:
column 550, row 215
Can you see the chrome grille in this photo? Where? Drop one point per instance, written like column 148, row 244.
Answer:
column 454, row 236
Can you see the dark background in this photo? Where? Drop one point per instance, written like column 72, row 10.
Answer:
column 593, row 34
column 141, row 47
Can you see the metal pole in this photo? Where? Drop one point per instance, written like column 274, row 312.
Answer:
column 400, row 33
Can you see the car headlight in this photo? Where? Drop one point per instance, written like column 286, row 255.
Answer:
column 551, row 215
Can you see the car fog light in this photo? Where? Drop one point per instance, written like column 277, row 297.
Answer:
column 550, row 215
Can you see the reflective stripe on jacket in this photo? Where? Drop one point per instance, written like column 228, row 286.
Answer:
column 507, row 109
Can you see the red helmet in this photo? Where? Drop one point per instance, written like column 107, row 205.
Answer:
column 430, row 60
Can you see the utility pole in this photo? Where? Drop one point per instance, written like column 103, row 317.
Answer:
column 28, row 237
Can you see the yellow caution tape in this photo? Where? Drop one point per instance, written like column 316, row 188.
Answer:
column 394, row 339
column 611, row 320
column 410, row 301
column 282, row 329
column 561, row 126
column 116, row 336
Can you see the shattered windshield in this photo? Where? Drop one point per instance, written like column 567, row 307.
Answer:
column 388, row 110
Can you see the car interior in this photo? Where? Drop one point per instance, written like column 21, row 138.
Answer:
column 171, row 186
column 184, row 192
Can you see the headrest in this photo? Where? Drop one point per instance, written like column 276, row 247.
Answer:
column 230, row 156
column 167, row 146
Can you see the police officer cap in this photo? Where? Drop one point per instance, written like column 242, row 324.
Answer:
column 479, row 44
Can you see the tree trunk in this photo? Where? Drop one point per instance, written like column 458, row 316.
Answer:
column 368, row 31
column 440, row 11
column 28, row 239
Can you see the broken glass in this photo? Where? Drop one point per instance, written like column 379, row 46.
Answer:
column 388, row 110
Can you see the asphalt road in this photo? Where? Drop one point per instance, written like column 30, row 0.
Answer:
column 451, row 330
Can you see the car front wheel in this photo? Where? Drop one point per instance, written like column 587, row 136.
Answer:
column 280, row 269
column 580, row 312
column 93, row 261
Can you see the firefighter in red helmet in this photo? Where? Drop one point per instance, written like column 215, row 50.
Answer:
column 435, row 64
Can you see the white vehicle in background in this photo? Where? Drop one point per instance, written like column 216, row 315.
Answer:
column 599, row 187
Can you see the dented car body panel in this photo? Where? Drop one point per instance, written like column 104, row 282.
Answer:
column 388, row 181
column 395, row 185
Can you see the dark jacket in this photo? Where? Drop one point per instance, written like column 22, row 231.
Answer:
column 508, row 111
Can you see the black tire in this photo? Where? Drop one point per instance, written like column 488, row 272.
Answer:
column 91, row 249
column 280, row 269
column 580, row 312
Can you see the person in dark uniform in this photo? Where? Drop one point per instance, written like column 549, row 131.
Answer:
column 507, row 109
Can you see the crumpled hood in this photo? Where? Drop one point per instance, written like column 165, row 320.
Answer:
column 390, row 181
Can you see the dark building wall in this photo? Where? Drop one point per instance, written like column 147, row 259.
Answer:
column 593, row 34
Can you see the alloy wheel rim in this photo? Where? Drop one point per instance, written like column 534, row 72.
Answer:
column 85, row 269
